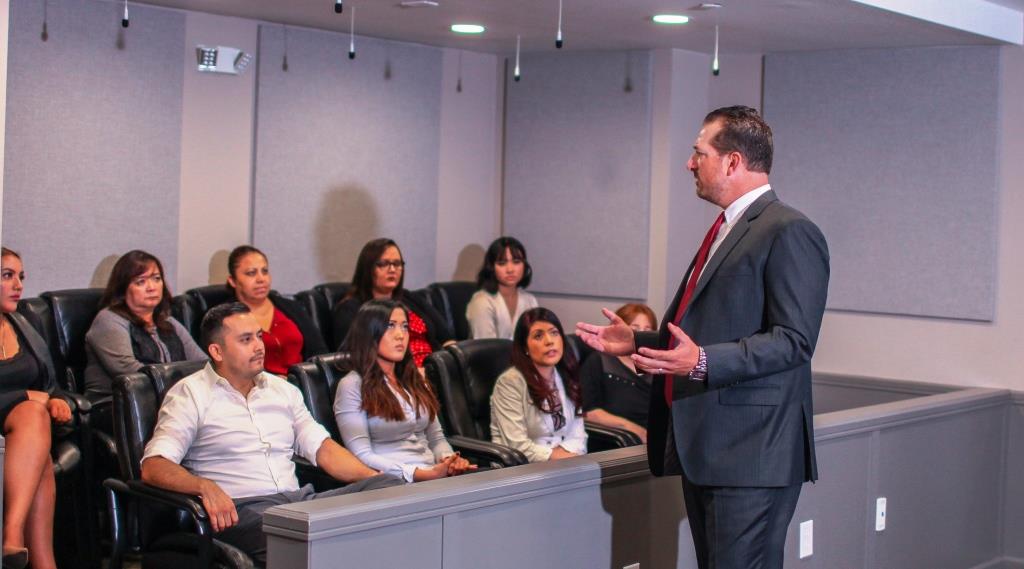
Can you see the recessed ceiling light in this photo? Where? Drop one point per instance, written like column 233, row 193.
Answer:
column 671, row 19
column 468, row 28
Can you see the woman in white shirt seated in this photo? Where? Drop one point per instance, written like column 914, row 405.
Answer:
column 537, row 404
column 502, row 298
column 386, row 410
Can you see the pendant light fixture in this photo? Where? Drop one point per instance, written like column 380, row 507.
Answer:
column 124, row 18
column 515, row 74
column 714, row 62
column 352, row 34
column 338, row 6
column 558, row 36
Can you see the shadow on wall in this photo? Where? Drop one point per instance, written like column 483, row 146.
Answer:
column 219, row 267
column 102, row 273
column 346, row 219
column 471, row 258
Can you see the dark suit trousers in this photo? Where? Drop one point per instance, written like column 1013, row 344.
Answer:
column 739, row 528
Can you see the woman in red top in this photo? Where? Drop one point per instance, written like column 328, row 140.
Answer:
column 289, row 336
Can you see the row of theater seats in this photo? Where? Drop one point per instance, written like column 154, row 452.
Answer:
column 172, row 529
column 463, row 376
column 63, row 317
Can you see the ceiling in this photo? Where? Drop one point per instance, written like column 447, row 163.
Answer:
column 746, row 26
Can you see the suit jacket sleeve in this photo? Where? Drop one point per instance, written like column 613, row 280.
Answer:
column 796, row 284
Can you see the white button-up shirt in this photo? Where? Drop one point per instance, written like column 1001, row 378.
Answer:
column 245, row 445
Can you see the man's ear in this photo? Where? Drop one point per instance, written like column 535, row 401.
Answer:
column 735, row 160
column 216, row 352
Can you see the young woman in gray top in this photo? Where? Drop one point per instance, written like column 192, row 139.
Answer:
column 134, row 327
column 386, row 410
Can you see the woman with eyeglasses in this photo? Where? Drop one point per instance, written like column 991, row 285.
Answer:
column 502, row 297
column 386, row 410
column 134, row 326
column 289, row 335
column 537, row 404
column 379, row 275
column 29, row 406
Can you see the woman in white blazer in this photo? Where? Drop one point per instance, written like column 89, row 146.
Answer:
column 502, row 298
column 537, row 404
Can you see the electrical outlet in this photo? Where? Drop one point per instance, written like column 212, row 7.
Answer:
column 632, row 566
column 806, row 539
column 880, row 514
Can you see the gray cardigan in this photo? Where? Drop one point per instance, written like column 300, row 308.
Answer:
column 108, row 347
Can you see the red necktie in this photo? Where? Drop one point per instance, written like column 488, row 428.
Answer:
column 691, row 284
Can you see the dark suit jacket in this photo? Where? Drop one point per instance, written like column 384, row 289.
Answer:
column 756, row 311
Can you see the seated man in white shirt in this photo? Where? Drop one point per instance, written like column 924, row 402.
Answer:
column 228, row 433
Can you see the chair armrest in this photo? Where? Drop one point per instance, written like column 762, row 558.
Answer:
column 191, row 504
column 485, row 451
column 606, row 438
column 78, row 403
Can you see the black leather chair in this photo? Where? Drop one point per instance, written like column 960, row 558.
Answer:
column 464, row 376
column 196, row 302
column 579, row 348
column 171, row 528
column 451, row 300
column 318, row 380
column 319, row 302
column 73, row 311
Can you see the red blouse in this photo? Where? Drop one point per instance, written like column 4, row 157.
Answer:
column 283, row 344
column 418, row 344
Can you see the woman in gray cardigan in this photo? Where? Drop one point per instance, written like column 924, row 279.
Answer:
column 134, row 327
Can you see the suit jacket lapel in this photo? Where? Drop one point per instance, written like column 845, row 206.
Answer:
column 735, row 234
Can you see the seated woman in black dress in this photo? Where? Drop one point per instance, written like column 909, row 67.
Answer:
column 614, row 394
column 380, row 273
column 27, row 380
column 289, row 336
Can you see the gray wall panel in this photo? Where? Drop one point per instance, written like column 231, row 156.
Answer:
column 1013, row 517
column 836, row 504
column 894, row 154
column 346, row 151
column 93, row 128
column 577, row 176
column 942, row 482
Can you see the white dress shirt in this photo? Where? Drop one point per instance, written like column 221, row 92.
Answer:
column 516, row 422
column 733, row 213
column 488, row 314
column 397, row 448
column 245, row 445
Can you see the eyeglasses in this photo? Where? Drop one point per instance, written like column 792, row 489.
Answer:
column 391, row 264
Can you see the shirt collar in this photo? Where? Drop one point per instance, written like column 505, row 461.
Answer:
column 214, row 378
column 740, row 204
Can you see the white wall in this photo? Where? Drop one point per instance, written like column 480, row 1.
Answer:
column 469, row 188
column 216, row 152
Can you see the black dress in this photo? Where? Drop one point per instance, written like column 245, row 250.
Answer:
column 25, row 371
column 609, row 385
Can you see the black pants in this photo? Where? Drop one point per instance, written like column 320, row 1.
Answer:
column 739, row 528
column 248, row 535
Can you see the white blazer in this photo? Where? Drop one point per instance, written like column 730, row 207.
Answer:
column 488, row 314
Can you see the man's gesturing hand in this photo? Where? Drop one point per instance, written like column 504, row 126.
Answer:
column 680, row 360
column 616, row 338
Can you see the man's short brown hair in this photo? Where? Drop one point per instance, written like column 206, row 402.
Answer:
column 743, row 131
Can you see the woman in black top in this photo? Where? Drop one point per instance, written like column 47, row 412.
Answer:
column 614, row 394
column 27, row 380
column 380, row 273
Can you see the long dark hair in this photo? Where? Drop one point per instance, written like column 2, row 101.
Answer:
column 487, row 279
column 363, row 343
column 129, row 266
column 235, row 259
column 362, row 279
column 545, row 395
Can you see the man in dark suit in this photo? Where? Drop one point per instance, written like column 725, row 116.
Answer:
column 731, row 406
